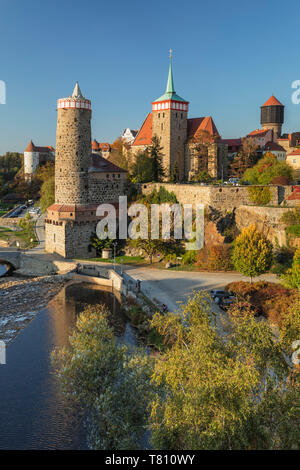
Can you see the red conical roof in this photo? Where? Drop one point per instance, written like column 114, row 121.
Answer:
column 30, row 147
column 273, row 102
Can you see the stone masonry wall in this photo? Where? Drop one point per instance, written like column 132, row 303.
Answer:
column 106, row 190
column 171, row 128
column 73, row 150
column 219, row 197
column 71, row 239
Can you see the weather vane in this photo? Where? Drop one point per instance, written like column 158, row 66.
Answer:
column 170, row 53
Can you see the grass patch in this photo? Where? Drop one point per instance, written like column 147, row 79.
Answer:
column 23, row 236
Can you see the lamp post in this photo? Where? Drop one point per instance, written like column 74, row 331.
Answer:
column 115, row 244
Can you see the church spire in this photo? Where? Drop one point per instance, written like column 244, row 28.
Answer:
column 170, row 84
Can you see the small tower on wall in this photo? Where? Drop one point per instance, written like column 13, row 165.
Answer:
column 73, row 149
column 272, row 116
column 169, row 124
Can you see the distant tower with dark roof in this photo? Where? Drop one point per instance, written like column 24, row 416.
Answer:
column 272, row 116
column 169, row 124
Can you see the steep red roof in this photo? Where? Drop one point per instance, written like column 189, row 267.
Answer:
column 100, row 164
column 295, row 152
column 145, row 133
column 258, row 133
column 272, row 102
column 30, row 147
column 274, row 146
column 95, row 145
column 295, row 194
column 232, row 142
column 195, row 125
column 33, row 148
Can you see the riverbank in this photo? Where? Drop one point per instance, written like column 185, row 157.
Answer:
column 21, row 298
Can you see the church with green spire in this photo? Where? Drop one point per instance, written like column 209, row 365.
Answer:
column 180, row 136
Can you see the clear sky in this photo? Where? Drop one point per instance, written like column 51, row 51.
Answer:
column 229, row 57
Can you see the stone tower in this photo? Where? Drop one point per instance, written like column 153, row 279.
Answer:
column 272, row 116
column 73, row 149
column 169, row 123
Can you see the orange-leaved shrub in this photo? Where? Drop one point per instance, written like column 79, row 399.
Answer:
column 215, row 258
column 273, row 299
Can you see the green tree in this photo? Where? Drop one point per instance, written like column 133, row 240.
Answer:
column 47, row 193
column 252, row 253
column 142, row 169
column 266, row 169
column 222, row 390
column 292, row 277
column 155, row 154
column 174, row 173
column 106, row 380
column 202, row 177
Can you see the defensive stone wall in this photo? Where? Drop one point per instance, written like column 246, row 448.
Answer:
column 219, row 197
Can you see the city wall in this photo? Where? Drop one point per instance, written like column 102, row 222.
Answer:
column 219, row 197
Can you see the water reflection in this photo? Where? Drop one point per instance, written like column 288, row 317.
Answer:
column 33, row 414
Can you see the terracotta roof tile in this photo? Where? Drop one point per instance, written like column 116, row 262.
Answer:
column 30, row 147
column 258, row 133
column 100, row 164
column 145, row 133
column 195, row 125
column 295, row 152
column 274, row 146
column 272, row 102
column 33, row 148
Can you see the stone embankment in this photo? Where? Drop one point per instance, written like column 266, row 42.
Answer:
column 21, row 298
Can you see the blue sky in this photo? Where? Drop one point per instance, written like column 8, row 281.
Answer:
column 229, row 57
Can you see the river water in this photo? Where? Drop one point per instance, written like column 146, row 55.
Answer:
column 32, row 413
column 3, row 269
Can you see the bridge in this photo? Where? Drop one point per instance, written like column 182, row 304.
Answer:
column 11, row 259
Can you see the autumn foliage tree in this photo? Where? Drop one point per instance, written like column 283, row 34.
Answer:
column 223, row 391
column 267, row 169
column 246, row 158
column 252, row 253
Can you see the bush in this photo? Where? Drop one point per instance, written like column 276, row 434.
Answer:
column 252, row 252
column 259, row 195
column 215, row 258
column 283, row 260
column 281, row 180
column 292, row 276
column 189, row 257
column 273, row 299
column 293, row 230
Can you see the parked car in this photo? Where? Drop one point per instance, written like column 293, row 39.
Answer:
column 226, row 302
column 219, row 294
